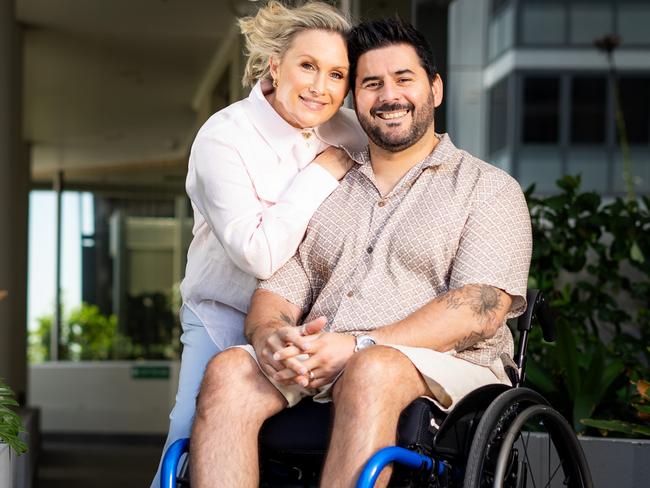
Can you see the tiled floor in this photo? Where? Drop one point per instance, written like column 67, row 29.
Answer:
column 96, row 462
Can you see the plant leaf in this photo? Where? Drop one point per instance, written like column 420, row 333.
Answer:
column 636, row 254
column 542, row 381
column 642, row 387
column 618, row 426
column 566, row 352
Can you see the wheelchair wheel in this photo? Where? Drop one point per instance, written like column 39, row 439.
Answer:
column 522, row 442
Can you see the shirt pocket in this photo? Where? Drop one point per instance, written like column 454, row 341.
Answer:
column 269, row 187
column 268, row 177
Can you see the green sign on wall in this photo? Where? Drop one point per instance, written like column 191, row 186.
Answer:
column 149, row 372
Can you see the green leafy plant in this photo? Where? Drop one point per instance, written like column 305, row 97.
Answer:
column 87, row 334
column 592, row 261
column 640, row 405
column 10, row 424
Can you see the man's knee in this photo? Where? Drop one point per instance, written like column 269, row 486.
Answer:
column 371, row 373
column 225, row 376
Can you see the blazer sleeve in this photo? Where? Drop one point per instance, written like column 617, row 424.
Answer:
column 258, row 238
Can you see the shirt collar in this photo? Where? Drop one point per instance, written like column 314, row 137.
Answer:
column 277, row 132
column 441, row 154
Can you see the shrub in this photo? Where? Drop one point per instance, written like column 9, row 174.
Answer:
column 592, row 260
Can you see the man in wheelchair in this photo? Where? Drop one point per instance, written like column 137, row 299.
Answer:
column 402, row 285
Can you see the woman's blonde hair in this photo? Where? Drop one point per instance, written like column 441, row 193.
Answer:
column 270, row 32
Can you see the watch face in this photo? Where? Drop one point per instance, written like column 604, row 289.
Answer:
column 364, row 341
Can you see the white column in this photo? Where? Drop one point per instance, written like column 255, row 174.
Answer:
column 14, row 179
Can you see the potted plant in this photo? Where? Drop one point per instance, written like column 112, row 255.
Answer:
column 591, row 258
column 10, row 424
column 10, row 428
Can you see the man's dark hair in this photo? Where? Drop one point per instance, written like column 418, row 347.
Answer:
column 375, row 34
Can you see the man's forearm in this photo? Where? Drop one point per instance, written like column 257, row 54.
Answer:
column 456, row 320
column 269, row 311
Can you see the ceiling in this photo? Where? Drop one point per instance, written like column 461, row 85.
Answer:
column 108, row 84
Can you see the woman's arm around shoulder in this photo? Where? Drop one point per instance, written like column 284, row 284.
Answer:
column 258, row 236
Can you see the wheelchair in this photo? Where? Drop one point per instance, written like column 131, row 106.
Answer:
column 497, row 436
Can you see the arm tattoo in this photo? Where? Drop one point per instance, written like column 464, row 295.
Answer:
column 469, row 340
column 484, row 301
column 284, row 319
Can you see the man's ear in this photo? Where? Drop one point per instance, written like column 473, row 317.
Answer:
column 437, row 90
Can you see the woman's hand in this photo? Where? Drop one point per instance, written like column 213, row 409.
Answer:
column 336, row 161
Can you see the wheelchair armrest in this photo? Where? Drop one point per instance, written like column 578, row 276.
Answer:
column 537, row 309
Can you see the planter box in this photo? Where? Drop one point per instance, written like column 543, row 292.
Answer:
column 620, row 463
column 7, row 466
column 108, row 397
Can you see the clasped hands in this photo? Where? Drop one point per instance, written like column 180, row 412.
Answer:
column 304, row 355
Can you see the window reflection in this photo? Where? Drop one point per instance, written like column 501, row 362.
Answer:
column 541, row 97
column 588, row 109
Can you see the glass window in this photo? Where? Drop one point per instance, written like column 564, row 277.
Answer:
column 497, row 5
column 543, row 23
column 640, row 159
column 588, row 110
column 588, row 21
column 501, row 32
column 633, row 21
column 498, row 116
column 635, row 103
column 122, row 261
column 592, row 165
column 541, row 96
column 540, row 165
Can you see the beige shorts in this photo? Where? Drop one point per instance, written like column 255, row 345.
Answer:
column 449, row 378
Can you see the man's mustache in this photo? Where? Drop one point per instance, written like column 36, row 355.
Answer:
column 391, row 107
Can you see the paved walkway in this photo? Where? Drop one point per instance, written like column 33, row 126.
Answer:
column 97, row 462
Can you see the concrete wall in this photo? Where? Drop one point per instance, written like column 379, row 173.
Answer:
column 102, row 397
column 14, row 177
column 464, row 94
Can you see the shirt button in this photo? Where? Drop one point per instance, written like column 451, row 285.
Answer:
column 349, row 294
column 381, row 203
column 369, row 250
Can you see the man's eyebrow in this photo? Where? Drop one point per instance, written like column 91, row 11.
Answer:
column 404, row 71
column 370, row 78
column 399, row 72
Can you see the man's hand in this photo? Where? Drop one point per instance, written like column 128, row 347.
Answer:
column 328, row 353
column 291, row 339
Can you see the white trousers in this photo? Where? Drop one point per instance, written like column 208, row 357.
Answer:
column 198, row 349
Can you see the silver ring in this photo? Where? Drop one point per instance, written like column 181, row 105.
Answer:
column 312, row 376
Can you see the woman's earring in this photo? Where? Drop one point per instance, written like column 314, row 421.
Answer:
column 275, row 83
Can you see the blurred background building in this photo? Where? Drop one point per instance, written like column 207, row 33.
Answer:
column 100, row 101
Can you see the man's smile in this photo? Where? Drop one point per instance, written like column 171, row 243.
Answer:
column 392, row 111
column 395, row 114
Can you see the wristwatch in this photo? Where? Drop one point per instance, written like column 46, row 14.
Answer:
column 364, row 342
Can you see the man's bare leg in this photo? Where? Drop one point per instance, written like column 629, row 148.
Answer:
column 235, row 400
column 378, row 383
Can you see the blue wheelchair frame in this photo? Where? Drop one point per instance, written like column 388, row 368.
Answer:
column 396, row 454
column 367, row 479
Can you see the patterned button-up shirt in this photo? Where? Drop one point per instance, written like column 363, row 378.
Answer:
column 368, row 261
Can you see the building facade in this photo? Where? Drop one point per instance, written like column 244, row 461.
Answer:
column 530, row 90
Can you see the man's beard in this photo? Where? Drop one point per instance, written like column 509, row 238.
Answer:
column 422, row 120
